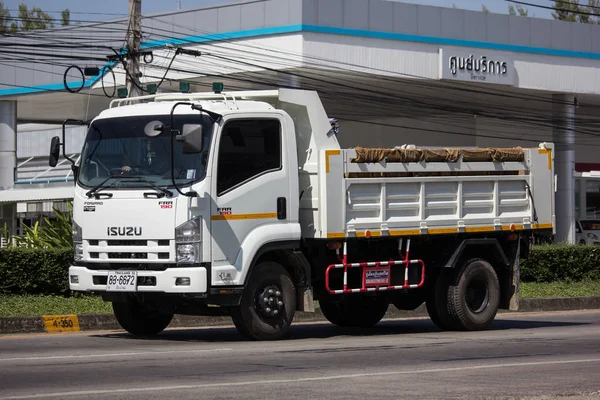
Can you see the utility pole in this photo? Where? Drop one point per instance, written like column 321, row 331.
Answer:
column 134, row 39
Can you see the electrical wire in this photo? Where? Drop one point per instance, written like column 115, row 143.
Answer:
column 523, row 3
column 441, row 106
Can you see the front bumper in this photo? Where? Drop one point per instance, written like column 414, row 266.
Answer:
column 148, row 281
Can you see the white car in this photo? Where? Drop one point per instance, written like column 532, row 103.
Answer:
column 588, row 231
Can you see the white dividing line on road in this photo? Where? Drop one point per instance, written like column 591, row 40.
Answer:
column 138, row 353
column 299, row 380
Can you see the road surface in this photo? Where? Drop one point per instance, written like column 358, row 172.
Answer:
column 524, row 356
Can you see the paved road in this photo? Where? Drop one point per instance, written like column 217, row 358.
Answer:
column 532, row 356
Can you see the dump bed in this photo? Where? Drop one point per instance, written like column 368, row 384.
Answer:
column 414, row 191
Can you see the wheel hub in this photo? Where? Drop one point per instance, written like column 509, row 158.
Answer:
column 477, row 295
column 270, row 302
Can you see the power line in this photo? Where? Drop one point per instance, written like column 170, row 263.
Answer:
column 588, row 6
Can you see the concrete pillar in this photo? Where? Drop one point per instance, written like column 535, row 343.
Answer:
column 8, row 156
column 563, row 136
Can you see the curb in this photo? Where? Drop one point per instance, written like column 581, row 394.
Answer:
column 99, row 322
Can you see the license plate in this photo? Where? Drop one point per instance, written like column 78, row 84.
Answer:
column 121, row 281
column 377, row 276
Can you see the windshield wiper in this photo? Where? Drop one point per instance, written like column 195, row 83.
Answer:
column 152, row 185
column 94, row 191
column 100, row 186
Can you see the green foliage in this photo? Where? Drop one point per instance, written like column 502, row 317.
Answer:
column 4, row 19
column 520, row 10
column 561, row 263
column 33, row 305
column 65, row 17
column 560, row 289
column 574, row 11
column 28, row 19
column 52, row 234
column 35, row 271
column 34, row 18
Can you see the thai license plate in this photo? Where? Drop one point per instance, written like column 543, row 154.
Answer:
column 377, row 276
column 121, row 281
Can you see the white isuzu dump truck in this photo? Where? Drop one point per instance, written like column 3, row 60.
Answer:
column 244, row 204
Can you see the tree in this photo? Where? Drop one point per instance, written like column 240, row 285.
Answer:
column 65, row 16
column 523, row 12
column 34, row 18
column 29, row 19
column 5, row 20
column 573, row 11
column 484, row 9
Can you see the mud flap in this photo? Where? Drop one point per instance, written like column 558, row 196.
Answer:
column 515, row 280
column 305, row 301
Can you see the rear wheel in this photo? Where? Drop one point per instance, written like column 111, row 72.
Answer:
column 268, row 304
column 437, row 302
column 474, row 296
column 355, row 310
column 138, row 319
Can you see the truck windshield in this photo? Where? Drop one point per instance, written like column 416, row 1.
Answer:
column 121, row 147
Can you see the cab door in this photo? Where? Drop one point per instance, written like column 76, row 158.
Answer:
column 250, row 189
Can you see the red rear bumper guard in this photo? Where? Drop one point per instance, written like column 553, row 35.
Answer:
column 375, row 274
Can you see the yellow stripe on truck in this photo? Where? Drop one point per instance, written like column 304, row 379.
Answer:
column 243, row 216
column 61, row 323
column 434, row 231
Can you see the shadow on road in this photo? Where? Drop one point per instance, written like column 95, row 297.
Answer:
column 326, row 330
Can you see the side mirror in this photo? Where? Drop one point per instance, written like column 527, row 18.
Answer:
column 54, row 151
column 192, row 138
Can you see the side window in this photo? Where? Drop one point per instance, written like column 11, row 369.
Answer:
column 248, row 148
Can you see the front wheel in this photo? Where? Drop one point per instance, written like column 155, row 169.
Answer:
column 268, row 304
column 140, row 320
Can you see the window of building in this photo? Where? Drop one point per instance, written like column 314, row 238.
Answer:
column 248, row 148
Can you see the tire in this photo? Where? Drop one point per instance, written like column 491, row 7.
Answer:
column 139, row 320
column 437, row 302
column 474, row 296
column 259, row 320
column 355, row 310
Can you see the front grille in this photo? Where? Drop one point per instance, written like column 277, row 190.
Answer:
column 128, row 255
column 151, row 250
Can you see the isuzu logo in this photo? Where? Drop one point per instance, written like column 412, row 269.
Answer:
column 124, row 231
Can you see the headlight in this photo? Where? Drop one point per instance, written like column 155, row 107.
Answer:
column 78, row 251
column 76, row 232
column 188, row 253
column 189, row 232
column 77, row 241
column 592, row 236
